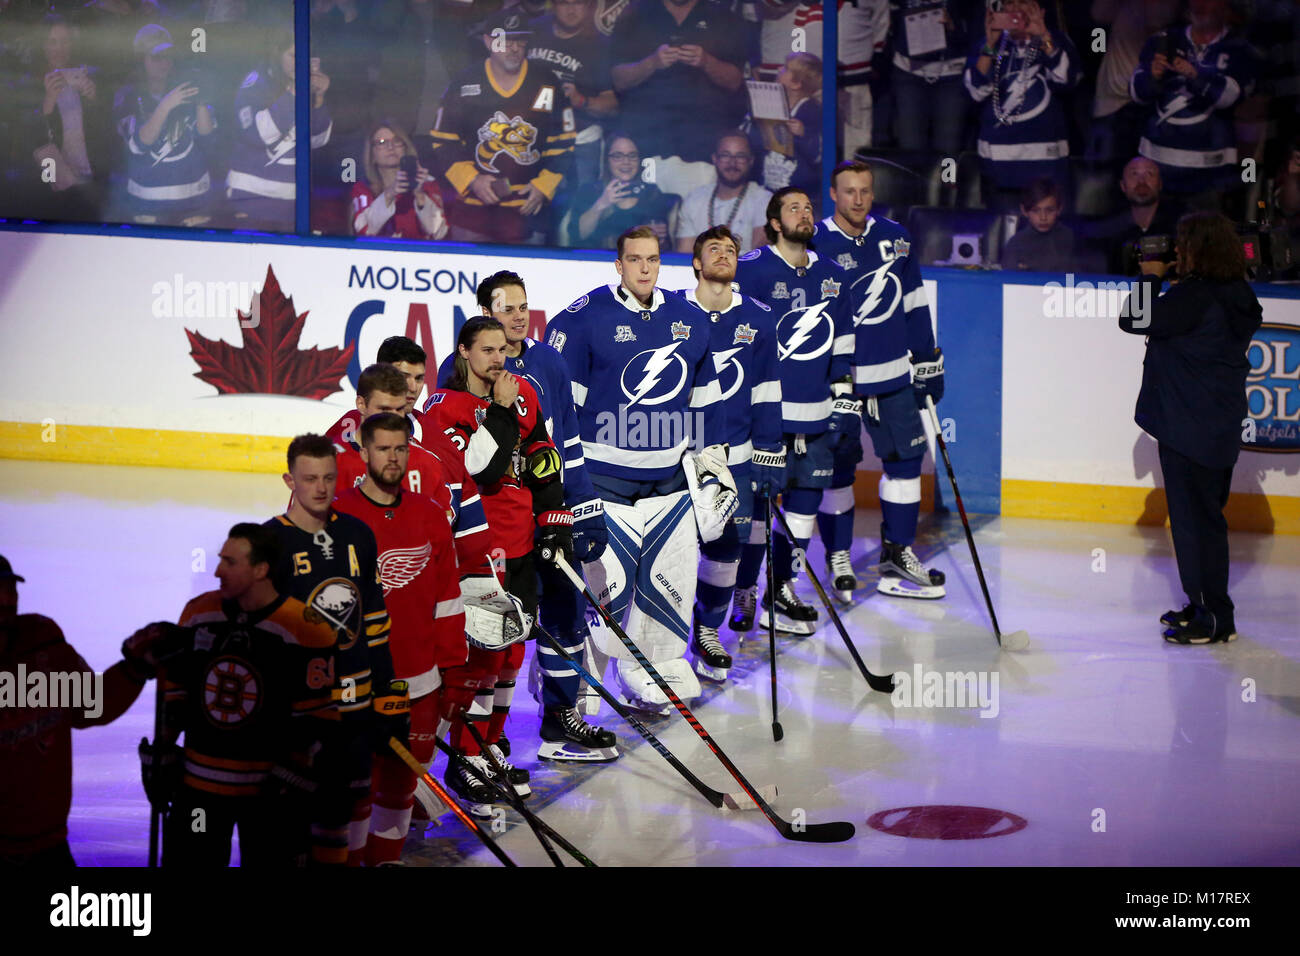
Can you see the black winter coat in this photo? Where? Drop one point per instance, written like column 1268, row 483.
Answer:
column 1193, row 395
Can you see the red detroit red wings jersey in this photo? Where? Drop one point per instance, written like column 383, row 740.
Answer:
column 417, row 568
column 494, row 459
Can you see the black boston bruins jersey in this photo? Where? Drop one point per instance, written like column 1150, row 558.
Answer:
column 247, row 689
column 524, row 134
column 335, row 573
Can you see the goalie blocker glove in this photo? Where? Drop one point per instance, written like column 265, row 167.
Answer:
column 494, row 618
column 590, row 536
column 927, row 378
column 713, row 490
column 767, row 471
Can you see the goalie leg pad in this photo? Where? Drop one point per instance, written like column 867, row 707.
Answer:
column 640, row 690
column 660, row 619
column 612, row 577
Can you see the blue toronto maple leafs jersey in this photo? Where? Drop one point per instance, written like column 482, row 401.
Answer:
column 546, row 372
column 643, row 381
column 814, row 330
column 1189, row 132
column 891, row 315
column 1023, row 132
column 749, row 376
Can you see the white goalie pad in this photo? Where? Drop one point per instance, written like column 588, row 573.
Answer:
column 712, row 489
column 638, row 685
column 646, row 577
column 494, row 618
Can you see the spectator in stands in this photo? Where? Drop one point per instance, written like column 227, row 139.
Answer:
column 389, row 203
column 261, row 181
column 1117, row 119
column 930, row 103
column 791, row 149
column 1047, row 246
column 566, row 42
column 1286, row 194
column 602, row 211
column 1149, row 216
column 678, row 72
column 165, row 126
column 734, row 200
column 63, row 151
column 1019, row 76
column 1189, row 78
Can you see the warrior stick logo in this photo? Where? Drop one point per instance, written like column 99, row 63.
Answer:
column 336, row 602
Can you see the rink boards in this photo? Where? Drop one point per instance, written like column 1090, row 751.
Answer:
column 171, row 352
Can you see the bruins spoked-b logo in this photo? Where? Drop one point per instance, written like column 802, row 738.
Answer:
column 232, row 691
column 337, row 602
column 512, row 135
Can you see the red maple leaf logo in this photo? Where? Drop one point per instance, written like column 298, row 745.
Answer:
column 269, row 361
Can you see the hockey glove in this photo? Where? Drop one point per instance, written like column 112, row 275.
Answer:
column 160, row 772
column 392, row 715
column 927, row 378
column 555, row 534
column 152, row 646
column 845, row 425
column 767, row 471
column 590, row 536
column 712, row 488
column 542, row 467
column 494, row 618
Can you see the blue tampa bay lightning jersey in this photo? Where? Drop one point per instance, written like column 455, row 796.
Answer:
column 891, row 315
column 814, row 330
column 749, row 375
column 1190, row 133
column 643, row 381
column 546, row 372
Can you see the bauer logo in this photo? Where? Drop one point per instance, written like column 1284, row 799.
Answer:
column 1273, row 389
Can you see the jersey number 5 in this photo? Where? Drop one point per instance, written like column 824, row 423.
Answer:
column 300, row 564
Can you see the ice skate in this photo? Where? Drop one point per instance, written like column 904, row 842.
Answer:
column 903, row 575
column 567, row 737
column 472, row 789
column 711, row 659
column 793, row 616
column 839, row 568
column 743, row 604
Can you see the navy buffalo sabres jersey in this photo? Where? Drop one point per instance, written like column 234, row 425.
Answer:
column 335, row 572
column 749, row 376
column 643, row 381
column 891, row 315
column 814, row 330
column 546, row 372
column 1190, row 132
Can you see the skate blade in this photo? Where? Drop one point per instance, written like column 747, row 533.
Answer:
column 844, row 597
column 716, row 674
column 572, row 753
column 900, row 587
column 742, row 801
column 522, row 790
column 785, row 625
column 1015, row 641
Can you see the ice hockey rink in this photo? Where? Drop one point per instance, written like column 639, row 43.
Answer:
column 1099, row 745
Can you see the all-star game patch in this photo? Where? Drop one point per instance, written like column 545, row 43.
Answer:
column 830, row 288
column 901, row 248
column 744, row 335
column 681, row 330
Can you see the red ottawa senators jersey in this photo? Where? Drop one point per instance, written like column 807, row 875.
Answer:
column 249, row 688
column 496, row 441
column 435, row 466
column 417, row 568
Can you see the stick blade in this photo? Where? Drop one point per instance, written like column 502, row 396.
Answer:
column 777, row 731
column 742, row 800
column 1015, row 641
column 838, row 832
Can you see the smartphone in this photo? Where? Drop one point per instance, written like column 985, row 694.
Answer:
column 408, row 165
column 677, row 40
column 1008, row 21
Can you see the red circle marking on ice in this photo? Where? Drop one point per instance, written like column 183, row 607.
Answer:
column 946, row 822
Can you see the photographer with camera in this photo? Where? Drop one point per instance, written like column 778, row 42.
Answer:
column 602, row 211
column 1193, row 403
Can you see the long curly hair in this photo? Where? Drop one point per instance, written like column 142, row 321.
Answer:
column 1210, row 247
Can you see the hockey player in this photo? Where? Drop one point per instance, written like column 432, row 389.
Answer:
column 565, row 735
column 496, row 419
column 744, row 356
column 418, row 571
column 646, row 390
column 503, row 140
column 329, row 561
column 896, row 365
column 809, row 298
column 247, row 679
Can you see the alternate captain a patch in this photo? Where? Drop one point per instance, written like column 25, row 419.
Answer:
column 681, row 330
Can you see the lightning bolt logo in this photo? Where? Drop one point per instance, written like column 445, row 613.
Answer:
column 655, row 365
column 804, row 327
column 722, row 359
column 1175, row 105
column 869, row 312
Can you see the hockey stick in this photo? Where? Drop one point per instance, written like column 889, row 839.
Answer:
column 885, row 683
column 807, row 833
column 732, row 801
column 1017, row 640
column 540, row 829
column 156, row 815
column 417, row 768
column 777, row 731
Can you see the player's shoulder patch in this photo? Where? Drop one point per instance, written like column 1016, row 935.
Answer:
column 557, row 339
column 435, row 399
column 577, row 304
column 250, row 80
column 751, row 254
column 758, row 302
